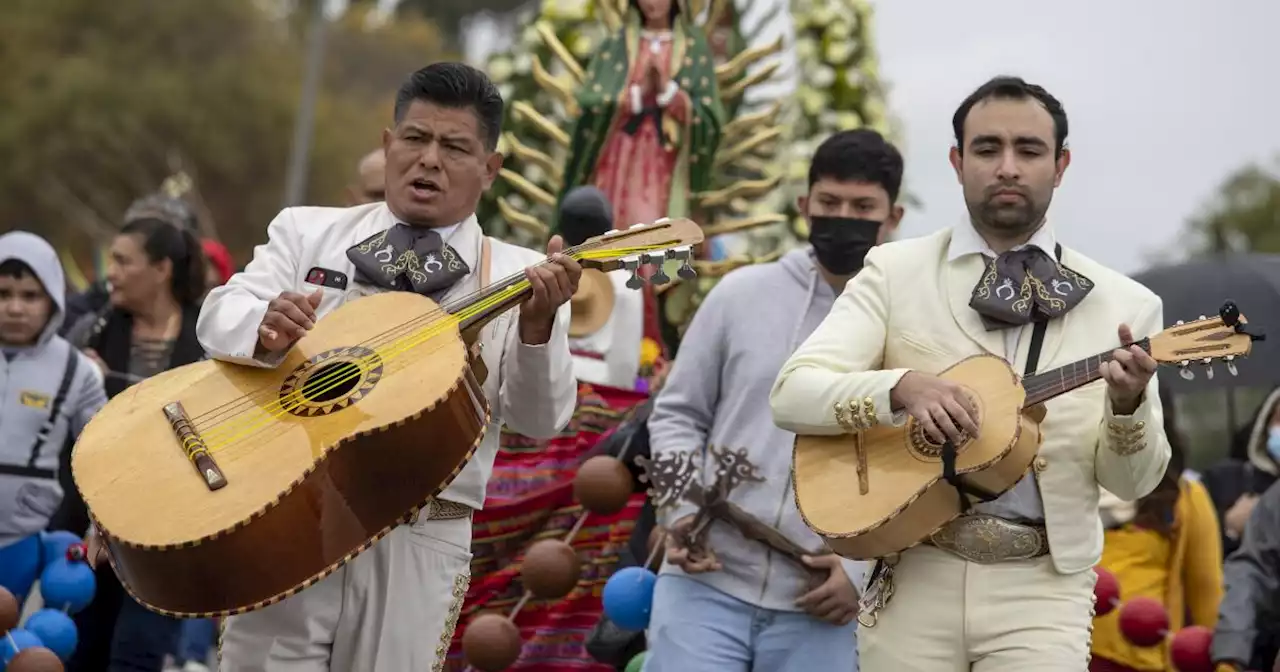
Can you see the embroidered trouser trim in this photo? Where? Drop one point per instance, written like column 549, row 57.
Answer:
column 391, row 609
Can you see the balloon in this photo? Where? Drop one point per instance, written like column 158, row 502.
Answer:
column 55, row 544
column 36, row 659
column 1189, row 649
column 628, row 597
column 15, row 641
column 9, row 611
column 67, row 585
column 1106, row 592
column 56, row 630
column 491, row 642
column 1144, row 622
column 636, row 664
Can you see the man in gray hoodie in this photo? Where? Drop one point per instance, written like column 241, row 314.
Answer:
column 50, row 390
column 744, row 606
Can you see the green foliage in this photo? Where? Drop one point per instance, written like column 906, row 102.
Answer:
column 105, row 100
column 1244, row 214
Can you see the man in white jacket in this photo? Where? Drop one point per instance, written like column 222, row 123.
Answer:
column 394, row 607
column 1007, row 586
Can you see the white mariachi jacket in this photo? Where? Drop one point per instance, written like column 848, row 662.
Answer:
column 531, row 388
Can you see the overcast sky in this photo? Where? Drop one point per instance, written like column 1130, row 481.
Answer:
column 1164, row 97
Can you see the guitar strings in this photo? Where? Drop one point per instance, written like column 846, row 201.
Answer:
column 400, row 328
column 221, row 435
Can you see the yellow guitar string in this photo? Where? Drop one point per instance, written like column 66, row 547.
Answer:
column 218, row 440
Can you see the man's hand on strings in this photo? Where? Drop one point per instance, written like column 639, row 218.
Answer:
column 1127, row 374
column 835, row 600
column 553, row 283
column 289, row 317
column 942, row 407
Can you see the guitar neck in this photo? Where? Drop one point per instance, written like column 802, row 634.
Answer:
column 476, row 310
column 1042, row 387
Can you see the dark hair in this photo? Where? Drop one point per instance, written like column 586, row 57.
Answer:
column 162, row 240
column 860, row 155
column 16, row 268
column 459, row 86
column 1012, row 88
column 673, row 14
column 1156, row 510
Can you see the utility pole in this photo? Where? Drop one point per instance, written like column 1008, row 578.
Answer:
column 304, row 126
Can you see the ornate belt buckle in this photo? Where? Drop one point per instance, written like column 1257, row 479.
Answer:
column 987, row 539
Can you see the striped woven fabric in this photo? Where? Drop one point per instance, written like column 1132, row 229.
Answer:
column 530, row 497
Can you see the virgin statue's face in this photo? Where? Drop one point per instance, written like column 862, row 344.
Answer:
column 655, row 11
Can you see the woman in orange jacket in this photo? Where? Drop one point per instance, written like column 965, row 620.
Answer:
column 1166, row 546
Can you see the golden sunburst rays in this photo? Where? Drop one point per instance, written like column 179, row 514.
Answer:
column 556, row 52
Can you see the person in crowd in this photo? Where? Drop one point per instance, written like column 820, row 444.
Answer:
column 157, row 275
column 1021, row 598
column 51, row 392
column 86, row 308
column 1165, row 546
column 370, row 184
column 218, row 267
column 742, row 606
column 393, row 608
column 1253, row 465
column 1248, row 632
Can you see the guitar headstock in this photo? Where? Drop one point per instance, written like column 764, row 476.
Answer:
column 1224, row 337
column 643, row 245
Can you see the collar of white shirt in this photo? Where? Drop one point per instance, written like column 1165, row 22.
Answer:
column 965, row 240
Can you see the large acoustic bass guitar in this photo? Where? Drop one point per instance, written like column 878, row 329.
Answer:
column 220, row 488
column 883, row 490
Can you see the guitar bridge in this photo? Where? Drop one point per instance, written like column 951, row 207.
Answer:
column 864, row 477
column 194, row 446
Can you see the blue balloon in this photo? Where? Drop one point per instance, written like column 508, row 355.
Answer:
column 56, row 630
column 56, row 543
column 67, row 585
column 16, row 640
column 628, row 597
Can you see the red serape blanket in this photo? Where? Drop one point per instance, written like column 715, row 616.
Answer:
column 530, row 497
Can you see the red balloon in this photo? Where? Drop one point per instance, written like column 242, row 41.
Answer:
column 1144, row 622
column 1106, row 592
column 1189, row 649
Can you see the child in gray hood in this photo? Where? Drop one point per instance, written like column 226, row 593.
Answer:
column 750, row 607
column 50, row 390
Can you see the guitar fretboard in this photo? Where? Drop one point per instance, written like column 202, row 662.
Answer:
column 1042, row 387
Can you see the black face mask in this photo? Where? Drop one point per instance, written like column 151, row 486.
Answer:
column 841, row 243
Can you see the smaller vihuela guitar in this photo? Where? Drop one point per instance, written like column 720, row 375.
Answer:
column 220, row 488
column 883, row 490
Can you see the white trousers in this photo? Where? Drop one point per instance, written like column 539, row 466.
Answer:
column 950, row 615
column 392, row 609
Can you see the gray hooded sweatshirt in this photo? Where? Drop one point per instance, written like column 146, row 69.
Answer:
column 718, row 394
column 42, row 408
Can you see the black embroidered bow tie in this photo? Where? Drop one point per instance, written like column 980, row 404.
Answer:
column 1024, row 286
column 408, row 259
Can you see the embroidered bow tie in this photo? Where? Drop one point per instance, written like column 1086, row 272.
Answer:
column 1024, row 286
column 408, row 259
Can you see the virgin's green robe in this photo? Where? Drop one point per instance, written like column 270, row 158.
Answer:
column 605, row 106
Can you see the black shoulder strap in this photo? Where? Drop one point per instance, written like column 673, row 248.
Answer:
column 68, row 375
column 1037, row 332
column 967, row 490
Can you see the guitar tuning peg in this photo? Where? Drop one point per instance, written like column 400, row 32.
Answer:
column 1179, row 323
column 636, row 225
column 633, row 265
column 1202, row 317
column 1231, row 365
column 1184, row 370
column 686, row 271
column 1208, row 367
column 660, row 276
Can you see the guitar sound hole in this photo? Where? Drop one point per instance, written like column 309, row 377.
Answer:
column 331, row 381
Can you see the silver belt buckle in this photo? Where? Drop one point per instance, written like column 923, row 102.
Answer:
column 877, row 594
column 986, row 539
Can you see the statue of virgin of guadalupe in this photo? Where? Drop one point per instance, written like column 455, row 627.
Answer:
column 650, row 116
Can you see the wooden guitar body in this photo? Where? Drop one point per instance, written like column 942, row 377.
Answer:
column 905, row 496
column 313, row 460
